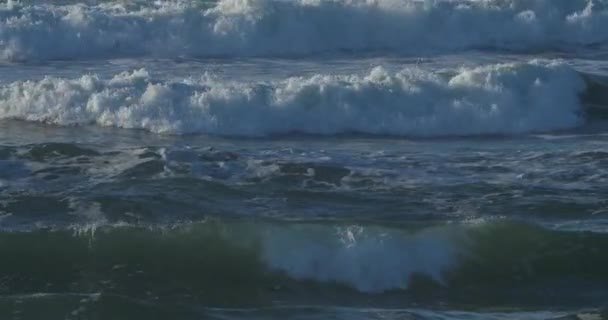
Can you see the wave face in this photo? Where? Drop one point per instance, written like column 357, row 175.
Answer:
column 495, row 99
column 370, row 259
column 240, row 261
column 300, row 27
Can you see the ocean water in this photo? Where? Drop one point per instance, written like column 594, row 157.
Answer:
column 304, row 159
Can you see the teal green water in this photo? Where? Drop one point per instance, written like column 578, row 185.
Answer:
column 304, row 159
column 202, row 227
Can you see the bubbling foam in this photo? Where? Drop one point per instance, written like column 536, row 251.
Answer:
column 299, row 27
column 488, row 100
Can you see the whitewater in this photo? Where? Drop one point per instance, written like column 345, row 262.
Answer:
column 41, row 31
column 304, row 159
column 499, row 99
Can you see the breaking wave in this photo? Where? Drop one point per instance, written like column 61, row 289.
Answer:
column 43, row 31
column 488, row 100
column 228, row 259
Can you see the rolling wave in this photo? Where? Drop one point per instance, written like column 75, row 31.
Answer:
column 236, row 261
column 43, row 31
column 497, row 99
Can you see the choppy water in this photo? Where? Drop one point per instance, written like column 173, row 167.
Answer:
column 319, row 159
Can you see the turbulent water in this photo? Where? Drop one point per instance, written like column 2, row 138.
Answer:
column 304, row 159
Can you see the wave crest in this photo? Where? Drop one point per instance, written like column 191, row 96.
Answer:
column 227, row 257
column 300, row 27
column 495, row 99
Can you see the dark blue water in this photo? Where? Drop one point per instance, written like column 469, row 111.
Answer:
column 303, row 160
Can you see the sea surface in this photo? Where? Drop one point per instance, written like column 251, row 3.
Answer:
column 304, row 159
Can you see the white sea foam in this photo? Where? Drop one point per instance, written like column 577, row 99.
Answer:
column 368, row 259
column 43, row 31
column 495, row 99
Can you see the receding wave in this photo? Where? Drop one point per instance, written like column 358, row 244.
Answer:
column 43, row 31
column 497, row 99
column 233, row 262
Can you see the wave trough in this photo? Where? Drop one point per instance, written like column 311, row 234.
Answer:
column 488, row 100
column 301, row 27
